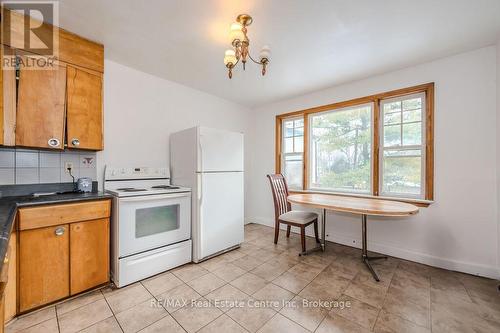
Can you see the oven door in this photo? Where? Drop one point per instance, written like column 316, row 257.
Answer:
column 152, row 221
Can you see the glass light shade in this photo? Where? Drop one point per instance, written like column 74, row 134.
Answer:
column 236, row 32
column 265, row 53
column 229, row 57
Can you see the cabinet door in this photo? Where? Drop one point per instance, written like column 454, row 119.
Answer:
column 84, row 115
column 7, row 97
column 40, row 107
column 89, row 253
column 10, row 289
column 43, row 266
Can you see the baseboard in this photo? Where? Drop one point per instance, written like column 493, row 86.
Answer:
column 423, row 258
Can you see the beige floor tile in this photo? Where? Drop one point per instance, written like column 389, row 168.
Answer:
column 408, row 289
column 337, row 324
column 385, row 275
column 189, row 272
column 193, row 317
column 305, row 271
column 366, row 293
column 229, row 272
column 264, row 254
column 223, row 324
column 48, row 326
column 418, row 279
column 140, row 316
column 291, row 282
column 206, row 283
column 233, row 255
column 227, row 297
column 249, row 248
column 178, row 297
column 404, row 308
column 317, row 291
column 280, row 323
column 161, row 283
column 31, row 319
column 390, row 323
column 306, row 314
column 122, row 299
column 109, row 325
column 274, row 294
column 248, row 262
column 361, row 313
column 268, row 271
column 251, row 317
column 213, row 263
column 249, row 283
column 450, row 285
column 77, row 302
column 84, row 316
column 165, row 325
column 345, row 269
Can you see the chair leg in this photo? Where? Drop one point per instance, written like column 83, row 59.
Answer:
column 276, row 232
column 288, row 231
column 303, row 238
column 316, row 233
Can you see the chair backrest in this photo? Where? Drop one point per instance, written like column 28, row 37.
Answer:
column 280, row 194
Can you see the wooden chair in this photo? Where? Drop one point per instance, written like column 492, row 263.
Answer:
column 283, row 212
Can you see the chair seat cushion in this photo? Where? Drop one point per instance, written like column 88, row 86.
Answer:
column 297, row 216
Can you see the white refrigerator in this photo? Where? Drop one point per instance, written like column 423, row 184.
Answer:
column 210, row 162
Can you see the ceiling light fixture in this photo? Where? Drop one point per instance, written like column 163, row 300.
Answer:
column 240, row 43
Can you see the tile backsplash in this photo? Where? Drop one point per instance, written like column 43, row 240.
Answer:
column 27, row 166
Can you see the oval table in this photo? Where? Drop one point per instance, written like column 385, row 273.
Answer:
column 354, row 205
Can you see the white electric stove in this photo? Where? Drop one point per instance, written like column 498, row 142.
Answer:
column 151, row 223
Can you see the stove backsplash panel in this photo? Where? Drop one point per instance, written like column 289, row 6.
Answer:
column 29, row 166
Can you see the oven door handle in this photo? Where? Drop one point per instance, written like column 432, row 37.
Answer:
column 155, row 197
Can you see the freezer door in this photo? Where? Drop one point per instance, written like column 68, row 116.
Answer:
column 221, row 212
column 219, row 150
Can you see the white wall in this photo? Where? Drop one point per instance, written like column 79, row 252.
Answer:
column 142, row 110
column 459, row 231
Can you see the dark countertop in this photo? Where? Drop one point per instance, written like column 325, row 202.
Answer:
column 9, row 206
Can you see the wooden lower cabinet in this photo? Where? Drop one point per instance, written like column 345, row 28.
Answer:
column 43, row 266
column 89, row 259
column 57, row 261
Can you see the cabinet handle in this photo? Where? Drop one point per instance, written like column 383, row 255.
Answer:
column 75, row 142
column 53, row 142
column 60, row 231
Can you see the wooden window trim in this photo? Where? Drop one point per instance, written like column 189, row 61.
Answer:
column 427, row 88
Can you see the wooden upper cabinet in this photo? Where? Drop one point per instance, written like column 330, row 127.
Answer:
column 84, row 109
column 40, row 107
column 7, row 99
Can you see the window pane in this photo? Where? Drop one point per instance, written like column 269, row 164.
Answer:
column 411, row 104
column 288, row 126
column 412, row 134
column 392, row 135
column 341, row 150
column 293, row 170
column 414, row 115
column 392, row 107
column 299, row 122
column 402, row 172
column 299, row 144
column 288, row 145
column 299, row 131
column 392, row 118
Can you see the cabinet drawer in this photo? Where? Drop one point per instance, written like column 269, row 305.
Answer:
column 50, row 215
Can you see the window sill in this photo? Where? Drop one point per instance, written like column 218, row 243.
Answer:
column 416, row 202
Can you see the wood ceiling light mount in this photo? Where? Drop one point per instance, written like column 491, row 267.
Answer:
column 241, row 44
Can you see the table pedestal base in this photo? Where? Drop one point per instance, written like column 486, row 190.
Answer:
column 364, row 256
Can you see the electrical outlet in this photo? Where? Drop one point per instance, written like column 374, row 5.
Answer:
column 68, row 165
